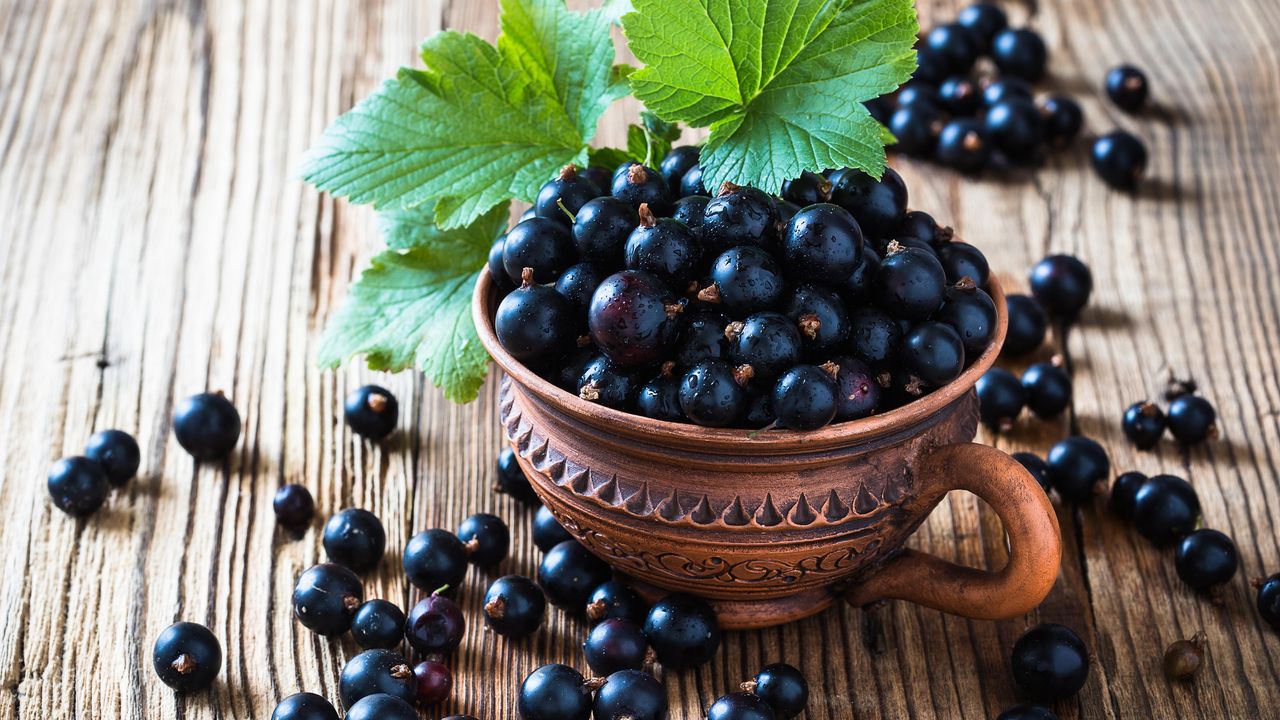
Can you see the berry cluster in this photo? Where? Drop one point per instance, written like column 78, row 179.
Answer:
column 743, row 310
column 79, row 485
column 778, row 692
column 1191, row 420
column 1045, row 389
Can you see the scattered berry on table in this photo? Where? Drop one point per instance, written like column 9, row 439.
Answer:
column 486, row 538
column 1078, row 468
column 1027, row 326
column 355, row 538
column 381, row 706
column 1165, row 509
column 916, row 129
column 1019, row 52
column 117, row 452
column 435, row 625
column 615, row 644
column 435, row 558
column 1184, row 658
column 740, row 706
column 616, row 599
column 294, row 507
column 378, row 624
column 511, row 479
column 1206, row 559
column 983, row 20
column 1063, row 120
column 533, row 321
column 1027, row 712
column 371, row 412
column 547, row 531
column 960, row 96
column 1016, row 128
column 1001, row 398
column 561, row 197
column 1120, row 159
column 434, row 680
column 78, row 485
column 630, row 695
column 326, row 597
column 804, row 398
column 540, row 245
column 633, row 317
column 1268, row 600
column 957, row 45
column 1124, row 493
column 783, row 687
column 554, row 692
column 1038, row 468
column 374, row 672
column 1192, row 419
column 1048, row 389
column 514, row 606
column 963, row 145
column 1143, row 423
column 1003, row 89
column 683, row 631
column 568, row 573
column 1061, row 284
column 187, row 657
column 207, row 426
column 304, row 706
column 1050, row 661
column 1127, row 87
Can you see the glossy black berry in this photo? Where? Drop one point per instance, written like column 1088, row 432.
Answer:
column 916, row 129
column 744, row 279
column 877, row 205
column 1206, row 559
column 607, row 383
column 1165, row 509
column 712, row 394
column 820, row 315
column 1124, row 493
column 911, row 283
column 534, row 321
column 678, row 161
column 917, row 95
column 1192, row 419
column 933, row 352
column 601, row 230
column 633, row 317
column 616, row 599
column 547, row 531
column 554, row 692
column 739, row 215
column 759, row 412
column 486, row 538
column 326, row 598
column 823, row 243
column 957, row 46
column 1143, row 423
column 1048, row 389
column 435, row 558
column 434, row 680
column 702, row 338
column 377, row 672
column 1038, row 468
column 568, row 573
column 304, row 706
column 659, row 398
column 378, row 624
column 639, row 185
column 783, row 687
column 1268, row 600
column 664, row 247
column 683, row 631
column 78, row 485
column 1027, row 712
column 187, row 657
column 858, row 287
column 983, row 20
column 564, row 195
column 1078, row 467
column 1050, row 661
column 511, row 479
column 539, row 243
column 1027, row 326
column 691, row 184
column 874, row 336
column 1063, row 119
column 371, row 411
column 961, row 260
column 689, row 210
column 931, row 66
column 1006, row 88
column 117, row 452
column 1127, row 87
column 598, row 176
column 514, row 606
column 1015, row 128
column 857, row 392
column 435, row 625
column 355, row 538
column 1061, row 284
column 1001, row 398
column 615, row 644
column 1019, row 52
column 578, row 283
column 294, row 507
column 740, row 706
column 963, row 145
column 767, row 342
column 630, row 695
column 960, row 96
column 808, row 189
column 496, row 269
column 381, row 706
column 971, row 313
column 804, row 398
column 1120, row 159
column 207, row 426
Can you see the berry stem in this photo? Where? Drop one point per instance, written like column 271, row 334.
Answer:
column 560, row 204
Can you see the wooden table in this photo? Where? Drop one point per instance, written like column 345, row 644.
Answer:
column 155, row 241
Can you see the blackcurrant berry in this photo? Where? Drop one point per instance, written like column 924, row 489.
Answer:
column 1124, row 493
column 933, row 352
column 534, row 321
column 664, row 247
column 911, row 283
column 1192, row 419
column 78, row 485
column 767, row 342
column 920, row 224
column 877, row 205
column 703, row 338
column 326, row 598
column 633, row 317
column 744, row 279
column 1050, row 661
column 514, row 606
column 304, row 706
column 759, row 412
column 377, row 672
column 378, row 624
column 963, row 145
column 683, row 631
column 1143, row 424
column 640, row 185
column 874, row 336
column 689, row 210
column 511, row 479
column 1078, row 467
column 371, row 411
column 1027, row 712
column 547, row 531
column 497, row 272
column 117, row 452
column 1015, row 128
column 823, row 243
column 568, row 573
column 983, row 20
column 602, row 178
column 1038, row 468
column 804, row 398
column 739, row 215
column 956, row 44
column 660, row 397
column 486, row 538
column 916, row 129
column 615, row 599
column 435, row 625
column 601, row 230
column 564, row 195
column 819, row 314
column 539, row 243
column 1019, row 52
column 1063, row 120
column 1120, row 159
column 207, row 426
column 435, row 558
column 808, row 189
column 1027, row 326
column 783, row 687
column 434, row 681
column 1127, row 87
column 691, row 184
column 615, row 644
column 712, row 394
column 961, row 260
column 1001, row 398
column 381, row 706
column 578, row 283
column 971, row 313
column 1184, row 658
column 740, row 706
column 918, row 95
column 630, row 695
column 554, row 692
column 355, row 538
column 857, row 288
column 857, row 392
column 1165, row 509
column 1268, row 600
column 1062, row 285
column 1006, row 88
column 931, row 66
column 1048, row 389
column 187, row 657
column 606, row 383
column 294, row 507
column 1206, row 559
column 960, row 96
column 678, row 161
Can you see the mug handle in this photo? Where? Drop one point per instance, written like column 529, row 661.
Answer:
column 1035, row 545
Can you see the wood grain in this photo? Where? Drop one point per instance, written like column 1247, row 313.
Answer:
column 155, row 241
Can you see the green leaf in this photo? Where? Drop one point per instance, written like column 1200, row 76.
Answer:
column 610, row 158
column 480, row 124
column 780, row 83
column 412, row 306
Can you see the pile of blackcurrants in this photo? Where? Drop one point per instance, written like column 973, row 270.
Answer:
column 745, row 310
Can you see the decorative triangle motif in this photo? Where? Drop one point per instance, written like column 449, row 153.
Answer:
column 669, row 508
column 735, row 514
column 834, row 508
column 578, row 480
column 522, row 438
column 640, row 503
column 801, row 513
column 608, row 492
column 555, row 468
column 768, row 514
column 864, row 503
column 702, row 512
